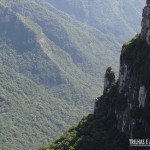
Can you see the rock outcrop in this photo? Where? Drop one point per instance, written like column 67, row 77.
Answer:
column 109, row 78
column 109, row 81
column 145, row 33
column 122, row 76
column 132, row 86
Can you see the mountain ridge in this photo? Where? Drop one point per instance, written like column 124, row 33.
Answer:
column 94, row 16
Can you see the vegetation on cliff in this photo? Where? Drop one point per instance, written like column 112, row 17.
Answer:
column 99, row 131
column 96, row 131
column 136, row 53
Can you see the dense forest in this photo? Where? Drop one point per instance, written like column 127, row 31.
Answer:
column 53, row 57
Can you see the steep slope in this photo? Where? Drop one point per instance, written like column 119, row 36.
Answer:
column 98, row 131
column 122, row 113
column 126, row 110
column 85, row 46
column 28, row 109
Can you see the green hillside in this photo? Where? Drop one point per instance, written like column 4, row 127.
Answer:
column 120, row 19
column 96, row 131
column 28, row 111
column 47, row 80
column 51, row 67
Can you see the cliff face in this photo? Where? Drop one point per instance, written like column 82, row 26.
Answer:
column 133, row 84
column 134, row 81
column 145, row 33
column 133, row 87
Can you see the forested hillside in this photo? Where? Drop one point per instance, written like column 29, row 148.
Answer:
column 51, row 67
column 116, row 18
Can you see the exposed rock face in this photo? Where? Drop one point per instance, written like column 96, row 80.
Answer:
column 134, row 119
column 134, row 90
column 97, row 104
column 142, row 96
column 122, row 76
column 145, row 33
column 148, row 2
column 109, row 78
column 136, row 93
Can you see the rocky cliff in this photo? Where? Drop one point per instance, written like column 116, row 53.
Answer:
column 134, row 85
column 145, row 33
column 123, row 111
column 134, row 80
